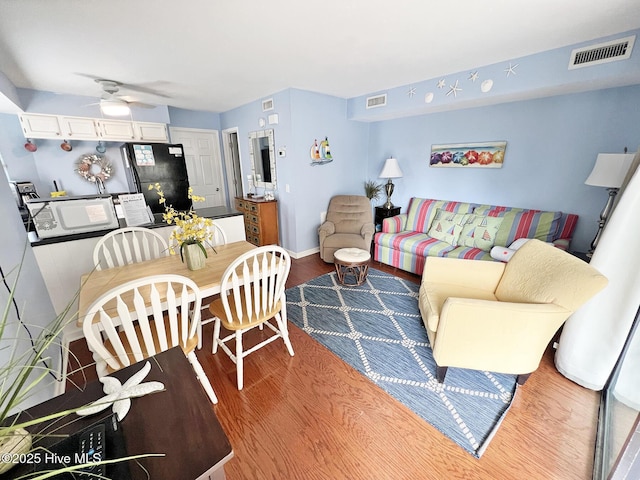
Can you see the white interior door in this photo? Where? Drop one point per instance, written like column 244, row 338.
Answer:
column 204, row 163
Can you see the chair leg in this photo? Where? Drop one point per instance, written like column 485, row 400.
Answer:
column 239, row 360
column 441, row 372
column 522, row 378
column 202, row 377
column 282, row 326
column 216, row 335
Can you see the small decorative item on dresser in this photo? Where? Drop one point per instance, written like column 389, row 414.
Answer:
column 191, row 232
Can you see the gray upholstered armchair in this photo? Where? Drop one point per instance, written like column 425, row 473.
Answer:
column 349, row 224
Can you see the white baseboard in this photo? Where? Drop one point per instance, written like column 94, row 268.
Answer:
column 304, row 253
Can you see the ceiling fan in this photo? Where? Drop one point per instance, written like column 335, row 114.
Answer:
column 114, row 105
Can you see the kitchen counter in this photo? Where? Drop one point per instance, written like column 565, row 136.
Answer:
column 211, row 212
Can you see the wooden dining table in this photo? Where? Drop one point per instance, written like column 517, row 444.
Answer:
column 96, row 283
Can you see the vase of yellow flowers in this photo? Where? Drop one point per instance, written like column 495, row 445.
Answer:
column 192, row 232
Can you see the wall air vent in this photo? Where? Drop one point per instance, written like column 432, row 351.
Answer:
column 267, row 105
column 602, row 53
column 377, row 101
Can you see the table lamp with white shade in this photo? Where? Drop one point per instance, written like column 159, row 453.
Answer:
column 609, row 171
column 390, row 170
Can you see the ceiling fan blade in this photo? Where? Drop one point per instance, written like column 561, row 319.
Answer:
column 144, row 89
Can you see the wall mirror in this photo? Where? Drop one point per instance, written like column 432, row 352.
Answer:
column 263, row 159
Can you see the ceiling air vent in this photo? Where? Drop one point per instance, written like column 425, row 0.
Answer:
column 602, row 53
column 377, row 101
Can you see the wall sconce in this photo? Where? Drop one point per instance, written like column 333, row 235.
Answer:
column 390, row 170
column 609, row 171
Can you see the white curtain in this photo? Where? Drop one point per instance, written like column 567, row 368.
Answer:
column 594, row 336
column 627, row 386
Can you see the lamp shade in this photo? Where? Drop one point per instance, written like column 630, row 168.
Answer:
column 391, row 169
column 610, row 170
column 114, row 108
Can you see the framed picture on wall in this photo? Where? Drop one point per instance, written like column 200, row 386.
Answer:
column 468, row 155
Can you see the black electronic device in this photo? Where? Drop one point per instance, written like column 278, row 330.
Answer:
column 102, row 440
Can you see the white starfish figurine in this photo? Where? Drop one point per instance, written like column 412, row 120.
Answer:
column 454, row 89
column 120, row 395
column 511, row 69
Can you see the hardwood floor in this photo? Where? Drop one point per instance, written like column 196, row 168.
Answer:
column 312, row 416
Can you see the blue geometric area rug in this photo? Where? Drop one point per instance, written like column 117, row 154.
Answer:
column 377, row 329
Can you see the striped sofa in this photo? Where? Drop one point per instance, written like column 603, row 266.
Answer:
column 405, row 241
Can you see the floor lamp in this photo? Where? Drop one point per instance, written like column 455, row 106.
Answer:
column 609, row 171
column 390, row 170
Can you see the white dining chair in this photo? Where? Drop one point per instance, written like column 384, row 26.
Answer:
column 143, row 317
column 218, row 237
column 252, row 292
column 128, row 245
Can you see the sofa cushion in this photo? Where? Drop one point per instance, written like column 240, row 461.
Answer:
column 566, row 226
column 422, row 211
column 468, row 253
column 414, row 242
column 480, row 232
column 447, row 226
column 520, row 223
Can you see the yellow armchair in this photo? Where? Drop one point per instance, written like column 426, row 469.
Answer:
column 498, row 316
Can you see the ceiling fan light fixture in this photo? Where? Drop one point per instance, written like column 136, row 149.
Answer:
column 114, row 108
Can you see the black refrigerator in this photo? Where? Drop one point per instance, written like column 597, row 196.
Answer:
column 150, row 163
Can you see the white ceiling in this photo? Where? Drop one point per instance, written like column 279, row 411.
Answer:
column 215, row 55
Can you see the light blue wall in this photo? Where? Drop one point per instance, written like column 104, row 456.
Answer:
column 552, row 144
column 180, row 117
column 315, row 116
column 31, row 296
column 302, row 118
column 533, row 76
column 246, row 119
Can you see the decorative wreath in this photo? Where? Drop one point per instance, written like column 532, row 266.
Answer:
column 85, row 164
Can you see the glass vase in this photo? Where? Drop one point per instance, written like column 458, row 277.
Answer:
column 194, row 256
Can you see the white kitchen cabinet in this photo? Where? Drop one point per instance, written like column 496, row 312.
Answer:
column 40, row 126
column 116, row 130
column 35, row 125
column 150, row 132
column 79, row 128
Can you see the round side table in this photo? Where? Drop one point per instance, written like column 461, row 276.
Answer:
column 352, row 261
